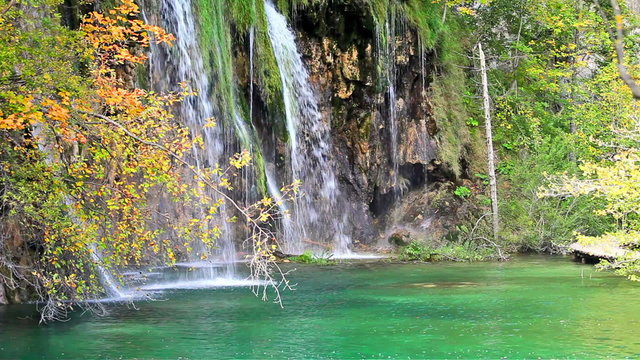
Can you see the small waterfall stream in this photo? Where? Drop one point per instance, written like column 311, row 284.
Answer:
column 314, row 218
column 111, row 286
column 386, row 52
column 390, row 28
column 183, row 62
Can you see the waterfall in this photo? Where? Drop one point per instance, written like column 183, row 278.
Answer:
column 106, row 278
column 108, row 282
column 314, row 215
column 183, row 62
column 392, row 115
column 386, row 49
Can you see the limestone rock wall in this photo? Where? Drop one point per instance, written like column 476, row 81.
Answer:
column 340, row 46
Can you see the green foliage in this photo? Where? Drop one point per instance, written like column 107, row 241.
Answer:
column 542, row 108
column 483, row 177
column 417, row 251
column 44, row 60
column 531, row 222
column 609, row 173
column 34, row 197
column 426, row 17
column 462, row 192
column 309, row 258
column 243, row 13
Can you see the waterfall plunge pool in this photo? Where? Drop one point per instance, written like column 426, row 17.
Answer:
column 530, row 307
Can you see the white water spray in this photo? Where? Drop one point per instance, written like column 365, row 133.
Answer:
column 314, row 217
column 183, row 62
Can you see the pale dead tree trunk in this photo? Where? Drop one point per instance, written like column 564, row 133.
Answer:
column 3, row 296
column 634, row 6
column 486, row 104
column 619, row 41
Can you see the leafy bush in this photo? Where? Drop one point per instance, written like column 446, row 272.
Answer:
column 453, row 252
column 462, row 191
column 309, row 258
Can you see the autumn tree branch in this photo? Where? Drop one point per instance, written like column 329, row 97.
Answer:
column 261, row 262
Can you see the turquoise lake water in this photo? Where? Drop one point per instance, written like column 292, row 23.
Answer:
column 529, row 307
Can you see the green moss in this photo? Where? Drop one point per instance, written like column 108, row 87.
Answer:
column 267, row 70
column 426, row 18
column 242, row 13
column 379, row 10
column 215, row 43
column 308, row 258
column 451, row 110
column 417, row 251
column 289, row 7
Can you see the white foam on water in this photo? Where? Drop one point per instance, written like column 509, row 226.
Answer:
column 206, row 264
column 356, row 256
column 199, row 264
column 203, row 284
column 124, row 297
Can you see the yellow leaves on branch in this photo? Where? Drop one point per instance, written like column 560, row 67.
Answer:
column 114, row 37
column 112, row 34
column 241, row 160
column 463, row 6
column 25, row 112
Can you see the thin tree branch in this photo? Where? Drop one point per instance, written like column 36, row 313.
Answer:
column 8, row 7
column 260, row 237
column 619, row 41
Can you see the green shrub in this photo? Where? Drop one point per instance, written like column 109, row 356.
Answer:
column 309, row 258
column 462, row 191
column 453, row 252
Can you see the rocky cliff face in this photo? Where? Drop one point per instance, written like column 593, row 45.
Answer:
column 344, row 54
column 377, row 90
column 18, row 253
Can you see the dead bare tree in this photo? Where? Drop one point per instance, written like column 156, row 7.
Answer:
column 486, row 104
column 618, row 38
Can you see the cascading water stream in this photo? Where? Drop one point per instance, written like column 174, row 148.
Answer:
column 183, row 62
column 391, row 78
column 107, row 280
column 314, row 213
column 386, row 47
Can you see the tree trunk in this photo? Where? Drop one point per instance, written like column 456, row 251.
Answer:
column 634, row 6
column 3, row 296
column 490, row 153
column 620, row 51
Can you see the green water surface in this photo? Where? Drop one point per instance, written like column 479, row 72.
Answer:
column 527, row 308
